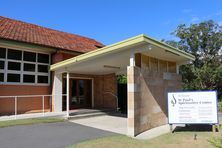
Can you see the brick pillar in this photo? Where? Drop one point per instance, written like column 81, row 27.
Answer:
column 133, row 94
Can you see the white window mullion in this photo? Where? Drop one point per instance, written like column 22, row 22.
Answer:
column 49, row 78
column 21, row 71
column 36, row 69
column 6, row 66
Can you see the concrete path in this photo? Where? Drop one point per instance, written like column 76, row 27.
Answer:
column 116, row 124
column 50, row 135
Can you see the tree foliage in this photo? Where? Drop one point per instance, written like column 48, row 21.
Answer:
column 122, row 79
column 204, row 41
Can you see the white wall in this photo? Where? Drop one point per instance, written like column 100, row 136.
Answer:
column 57, row 92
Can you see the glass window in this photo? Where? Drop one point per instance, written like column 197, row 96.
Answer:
column 43, row 68
column 2, row 52
column 43, row 79
column 1, row 77
column 81, row 87
column 14, row 54
column 43, row 58
column 2, row 64
column 29, row 67
column 14, row 66
column 34, row 65
column 29, row 56
column 13, row 77
column 29, row 78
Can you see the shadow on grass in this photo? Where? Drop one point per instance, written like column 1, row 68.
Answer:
column 196, row 127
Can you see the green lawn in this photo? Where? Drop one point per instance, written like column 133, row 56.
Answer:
column 175, row 140
column 29, row 121
column 182, row 139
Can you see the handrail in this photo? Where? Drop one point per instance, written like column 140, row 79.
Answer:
column 111, row 93
column 24, row 96
column 16, row 98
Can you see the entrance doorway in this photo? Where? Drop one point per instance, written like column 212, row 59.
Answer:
column 80, row 93
column 122, row 98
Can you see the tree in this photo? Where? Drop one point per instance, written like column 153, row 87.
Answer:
column 204, row 41
column 122, row 79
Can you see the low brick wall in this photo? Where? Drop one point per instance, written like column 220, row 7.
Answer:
column 147, row 94
column 24, row 105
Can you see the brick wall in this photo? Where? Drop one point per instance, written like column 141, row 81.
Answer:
column 61, row 56
column 25, row 105
column 102, row 85
column 147, row 94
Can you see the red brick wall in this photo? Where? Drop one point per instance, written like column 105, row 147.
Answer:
column 24, row 104
column 61, row 56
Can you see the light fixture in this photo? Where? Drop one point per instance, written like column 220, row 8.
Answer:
column 149, row 47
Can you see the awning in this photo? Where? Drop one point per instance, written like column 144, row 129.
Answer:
column 115, row 58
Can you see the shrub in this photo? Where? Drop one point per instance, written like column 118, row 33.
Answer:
column 220, row 106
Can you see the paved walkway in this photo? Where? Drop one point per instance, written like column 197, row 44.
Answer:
column 51, row 135
column 116, row 124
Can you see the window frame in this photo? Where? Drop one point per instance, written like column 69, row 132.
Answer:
column 22, row 72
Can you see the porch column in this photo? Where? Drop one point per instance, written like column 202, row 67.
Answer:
column 67, row 94
column 134, row 100
column 57, row 92
column 131, row 91
column 132, row 59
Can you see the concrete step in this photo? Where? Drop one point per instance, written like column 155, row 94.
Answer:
column 86, row 115
column 89, row 111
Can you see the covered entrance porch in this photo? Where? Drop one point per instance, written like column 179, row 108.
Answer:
column 151, row 67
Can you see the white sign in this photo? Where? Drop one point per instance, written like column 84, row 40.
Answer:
column 198, row 107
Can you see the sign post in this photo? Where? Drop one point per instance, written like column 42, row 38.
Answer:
column 196, row 107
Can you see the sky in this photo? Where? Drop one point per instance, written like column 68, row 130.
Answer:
column 110, row 21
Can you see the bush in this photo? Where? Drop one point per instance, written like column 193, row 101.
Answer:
column 220, row 106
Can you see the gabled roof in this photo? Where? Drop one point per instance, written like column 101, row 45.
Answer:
column 127, row 46
column 29, row 33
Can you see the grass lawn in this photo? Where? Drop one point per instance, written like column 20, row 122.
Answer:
column 29, row 121
column 180, row 139
column 175, row 140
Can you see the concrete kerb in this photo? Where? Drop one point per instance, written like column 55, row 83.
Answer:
column 33, row 115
